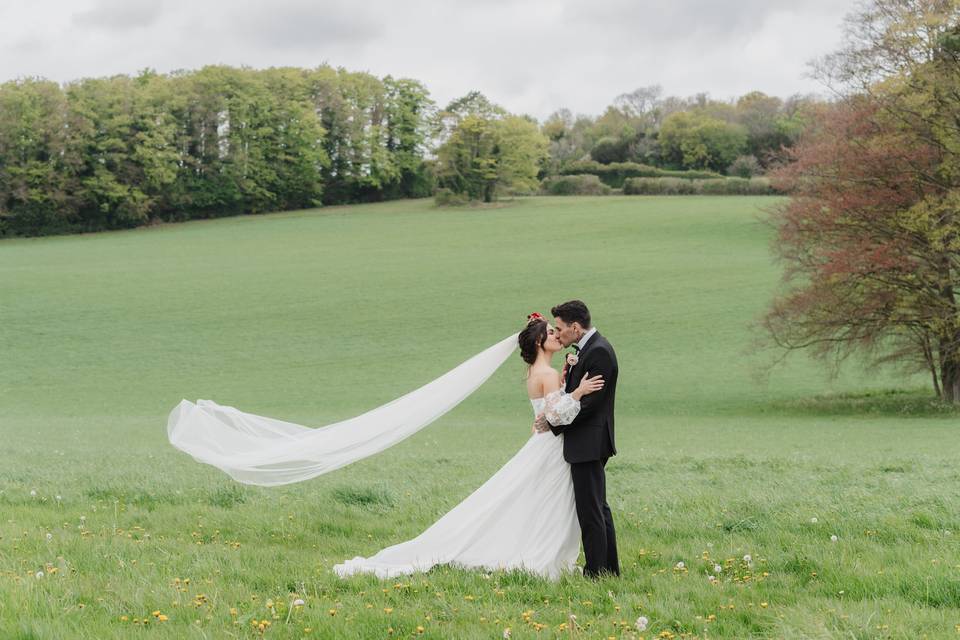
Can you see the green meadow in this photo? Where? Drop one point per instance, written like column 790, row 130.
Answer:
column 106, row 531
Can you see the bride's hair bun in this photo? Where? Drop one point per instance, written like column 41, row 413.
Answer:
column 533, row 336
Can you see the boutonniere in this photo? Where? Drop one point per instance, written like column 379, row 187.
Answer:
column 572, row 359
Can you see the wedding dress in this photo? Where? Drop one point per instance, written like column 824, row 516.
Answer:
column 523, row 517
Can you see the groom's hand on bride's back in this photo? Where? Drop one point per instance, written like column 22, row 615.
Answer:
column 540, row 425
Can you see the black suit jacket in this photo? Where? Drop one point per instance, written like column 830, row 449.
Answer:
column 590, row 435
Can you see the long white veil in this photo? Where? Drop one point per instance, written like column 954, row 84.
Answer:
column 263, row 451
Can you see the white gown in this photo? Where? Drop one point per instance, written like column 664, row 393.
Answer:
column 523, row 517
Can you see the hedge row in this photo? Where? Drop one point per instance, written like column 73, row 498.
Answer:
column 615, row 173
column 577, row 185
column 713, row 186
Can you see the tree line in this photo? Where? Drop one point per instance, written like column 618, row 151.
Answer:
column 643, row 134
column 108, row 153
column 122, row 151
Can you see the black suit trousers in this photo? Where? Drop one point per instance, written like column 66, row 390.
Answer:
column 596, row 521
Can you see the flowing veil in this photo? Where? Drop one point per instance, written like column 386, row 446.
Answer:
column 264, row 451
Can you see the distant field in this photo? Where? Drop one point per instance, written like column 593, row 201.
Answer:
column 317, row 315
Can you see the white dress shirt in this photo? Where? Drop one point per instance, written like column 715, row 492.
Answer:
column 585, row 337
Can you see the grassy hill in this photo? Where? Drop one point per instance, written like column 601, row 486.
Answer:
column 317, row 315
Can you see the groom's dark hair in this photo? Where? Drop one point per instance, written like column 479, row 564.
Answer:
column 573, row 311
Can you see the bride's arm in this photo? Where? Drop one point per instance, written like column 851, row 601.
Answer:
column 560, row 410
column 560, row 407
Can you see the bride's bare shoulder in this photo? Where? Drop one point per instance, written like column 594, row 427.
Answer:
column 552, row 374
column 545, row 373
column 542, row 381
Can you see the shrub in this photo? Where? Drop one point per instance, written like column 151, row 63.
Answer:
column 712, row 186
column 688, row 174
column 659, row 186
column 745, row 167
column 608, row 150
column 449, row 198
column 615, row 173
column 584, row 184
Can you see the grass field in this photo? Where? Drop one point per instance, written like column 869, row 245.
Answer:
column 317, row 315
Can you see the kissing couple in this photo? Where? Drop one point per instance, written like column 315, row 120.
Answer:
column 534, row 511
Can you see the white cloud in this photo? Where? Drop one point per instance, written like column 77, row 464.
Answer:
column 531, row 56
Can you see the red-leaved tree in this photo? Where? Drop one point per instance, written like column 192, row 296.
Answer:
column 870, row 238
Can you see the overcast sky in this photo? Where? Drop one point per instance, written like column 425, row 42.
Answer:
column 531, row 56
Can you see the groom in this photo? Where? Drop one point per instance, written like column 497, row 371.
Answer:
column 588, row 440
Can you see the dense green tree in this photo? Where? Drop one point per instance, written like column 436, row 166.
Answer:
column 409, row 114
column 484, row 157
column 467, row 162
column 611, row 149
column 693, row 140
column 377, row 133
column 522, row 151
column 763, row 117
column 568, row 139
column 39, row 159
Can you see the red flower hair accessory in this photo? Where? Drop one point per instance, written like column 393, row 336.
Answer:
column 534, row 317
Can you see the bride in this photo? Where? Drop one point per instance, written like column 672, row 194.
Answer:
column 524, row 517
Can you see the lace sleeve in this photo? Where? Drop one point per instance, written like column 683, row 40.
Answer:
column 560, row 408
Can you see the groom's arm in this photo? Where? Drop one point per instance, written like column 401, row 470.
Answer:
column 602, row 365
